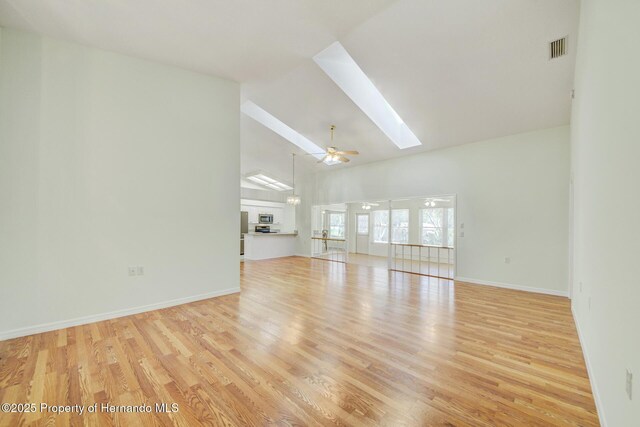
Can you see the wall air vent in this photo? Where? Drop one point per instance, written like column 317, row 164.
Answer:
column 558, row 48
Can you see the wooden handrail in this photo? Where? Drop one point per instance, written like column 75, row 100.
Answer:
column 328, row 238
column 422, row 246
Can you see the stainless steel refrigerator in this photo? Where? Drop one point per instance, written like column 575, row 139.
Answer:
column 244, row 228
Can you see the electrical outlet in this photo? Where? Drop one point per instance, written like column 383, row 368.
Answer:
column 132, row 271
column 462, row 225
column 462, row 234
column 629, row 384
column 140, row 270
column 507, row 260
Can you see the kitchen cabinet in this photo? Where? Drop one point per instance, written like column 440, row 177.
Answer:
column 266, row 246
column 255, row 211
column 277, row 215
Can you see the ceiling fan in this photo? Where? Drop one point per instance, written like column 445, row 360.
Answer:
column 333, row 154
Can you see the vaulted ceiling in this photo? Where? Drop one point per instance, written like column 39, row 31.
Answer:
column 455, row 71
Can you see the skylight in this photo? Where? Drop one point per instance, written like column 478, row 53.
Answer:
column 264, row 180
column 261, row 116
column 336, row 62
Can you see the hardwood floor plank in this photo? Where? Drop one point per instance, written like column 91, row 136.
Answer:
column 314, row 343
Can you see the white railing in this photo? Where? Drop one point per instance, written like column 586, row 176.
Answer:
column 425, row 260
column 329, row 249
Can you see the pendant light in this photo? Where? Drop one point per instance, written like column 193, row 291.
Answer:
column 293, row 199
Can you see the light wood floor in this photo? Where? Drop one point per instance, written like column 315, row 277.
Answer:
column 423, row 267
column 309, row 342
column 368, row 260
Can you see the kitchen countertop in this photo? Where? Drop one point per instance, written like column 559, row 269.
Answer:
column 259, row 246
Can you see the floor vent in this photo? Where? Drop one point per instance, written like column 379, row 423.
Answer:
column 558, row 48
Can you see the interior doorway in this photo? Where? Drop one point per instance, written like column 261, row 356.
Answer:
column 362, row 233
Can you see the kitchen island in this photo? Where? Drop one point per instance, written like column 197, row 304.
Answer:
column 269, row 245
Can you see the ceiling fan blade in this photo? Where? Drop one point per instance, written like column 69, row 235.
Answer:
column 323, row 159
column 352, row 152
column 314, row 154
column 343, row 159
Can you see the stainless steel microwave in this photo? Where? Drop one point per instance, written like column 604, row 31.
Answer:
column 265, row 219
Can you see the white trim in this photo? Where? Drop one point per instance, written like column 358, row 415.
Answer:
column 585, row 354
column 510, row 286
column 46, row 327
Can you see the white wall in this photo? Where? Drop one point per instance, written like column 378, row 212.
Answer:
column 605, row 147
column 106, row 162
column 512, row 196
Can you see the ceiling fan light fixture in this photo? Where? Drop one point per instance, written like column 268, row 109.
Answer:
column 333, row 155
column 330, row 162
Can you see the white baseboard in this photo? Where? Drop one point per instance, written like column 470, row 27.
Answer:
column 594, row 389
column 510, row 286
column 46, row 327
